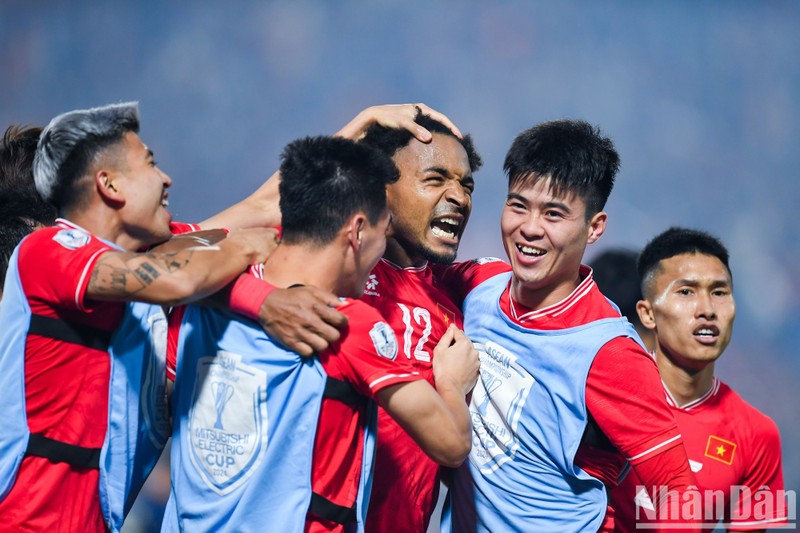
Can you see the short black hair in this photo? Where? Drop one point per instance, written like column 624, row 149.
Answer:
column 325, row 181
column 17, row 150
column 21, row 207
column 390, row 140
column 21, row 212
column 678, row 241
column 614, row 272
column 573, row 154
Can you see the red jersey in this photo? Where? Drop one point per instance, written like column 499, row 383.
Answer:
column 357, row 360
column 622, row 389
column 419, row 310
column 733, row 449
column 66, row 385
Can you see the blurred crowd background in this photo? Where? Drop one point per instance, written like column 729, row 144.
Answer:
column 701, row 98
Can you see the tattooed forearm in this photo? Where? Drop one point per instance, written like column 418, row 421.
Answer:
column 146, row 273
column 117, row 278
column 114, row 281
column 171, row 262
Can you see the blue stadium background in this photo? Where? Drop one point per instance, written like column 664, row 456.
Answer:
column 702, row 99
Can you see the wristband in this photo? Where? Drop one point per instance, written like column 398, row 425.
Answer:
column 247, row 295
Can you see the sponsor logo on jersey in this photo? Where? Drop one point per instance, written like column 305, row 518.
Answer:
column 384, row 340
column 371, row 287
column 696, row 466
column 643, row 500
column 720, row 449
column 72, row 239
column 496, row 407
column 228, row 421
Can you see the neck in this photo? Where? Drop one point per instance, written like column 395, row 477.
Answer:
column 683, row 383
column 105, row 226
column 402, row 256
column 304, row 264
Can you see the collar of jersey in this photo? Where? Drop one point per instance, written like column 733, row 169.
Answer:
column 558, row 308
column 408, row 269
column 696, row 402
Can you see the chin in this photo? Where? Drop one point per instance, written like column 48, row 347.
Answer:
column 440, row 257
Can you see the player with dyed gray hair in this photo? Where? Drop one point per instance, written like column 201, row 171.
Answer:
column 69, row 285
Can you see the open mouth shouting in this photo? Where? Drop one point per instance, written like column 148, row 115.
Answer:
column 448, row 228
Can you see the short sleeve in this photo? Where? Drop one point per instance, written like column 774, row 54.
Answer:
column 459, row 279
column 625, row 396
column 55, row 266
column 366, row 354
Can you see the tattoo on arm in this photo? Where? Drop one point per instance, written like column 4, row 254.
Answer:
column 172, row 262
column 116, row 276
column 146, row 273
column 114, row 280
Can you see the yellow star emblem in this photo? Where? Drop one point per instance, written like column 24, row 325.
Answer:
column 720, row 449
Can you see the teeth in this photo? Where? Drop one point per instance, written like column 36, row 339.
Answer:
column 705, row 331
column 165, row 203
column 527, row 250
column 442, row 233
column 450, row 221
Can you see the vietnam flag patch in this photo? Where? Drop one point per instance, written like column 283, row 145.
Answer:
column 720, row 449
column 448, row 316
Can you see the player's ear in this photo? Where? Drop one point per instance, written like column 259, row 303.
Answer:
column 645, row 311
column 107, row 185
column 597, row 225
column 355, row 232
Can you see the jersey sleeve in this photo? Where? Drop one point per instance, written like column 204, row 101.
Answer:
column 366, row 354
column 459, row 279
column 177, row 228
column 764, row 477
column 625, row 396
column 56, row 265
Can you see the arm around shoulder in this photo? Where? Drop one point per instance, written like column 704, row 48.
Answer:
column 170, row 277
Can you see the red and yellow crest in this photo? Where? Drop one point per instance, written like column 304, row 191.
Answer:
column 720, row 449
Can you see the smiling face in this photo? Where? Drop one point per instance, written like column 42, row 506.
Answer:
column 690, row 307
column 430, row 203
column 144, row 189
column 545, row 236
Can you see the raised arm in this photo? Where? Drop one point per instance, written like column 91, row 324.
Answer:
column 439, row 423
column 261, row 209
column 396, row 116
column 177, row 274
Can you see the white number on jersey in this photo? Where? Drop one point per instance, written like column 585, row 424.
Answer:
column 422, row 317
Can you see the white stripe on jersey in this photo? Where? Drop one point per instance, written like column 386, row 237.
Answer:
column 654, row 448
column 391, row 376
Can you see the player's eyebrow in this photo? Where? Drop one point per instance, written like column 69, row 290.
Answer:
column 518, row 197
column 694, row 282
column 440, row 170
column 552, row 204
